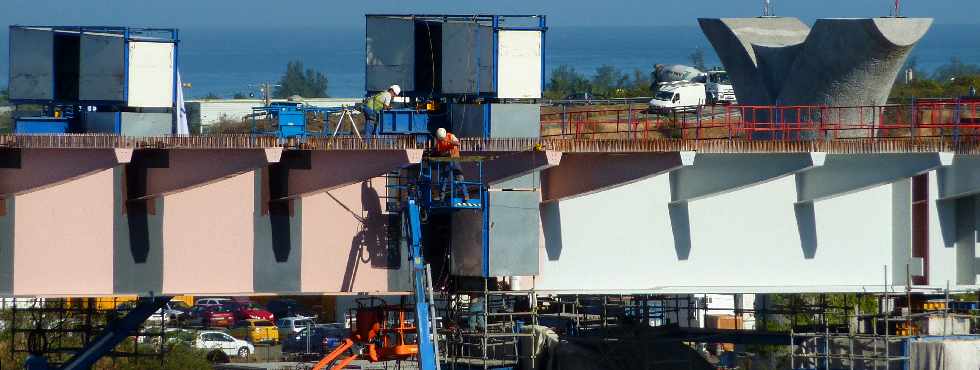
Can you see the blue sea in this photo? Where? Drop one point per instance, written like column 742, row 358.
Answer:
column 227, row 61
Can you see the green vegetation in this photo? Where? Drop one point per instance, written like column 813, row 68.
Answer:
column 295, row 81
column 4, row 96
column 6, row 123
column 608, row 82
column 953, row 79
column 239, row 95
column 212, row 96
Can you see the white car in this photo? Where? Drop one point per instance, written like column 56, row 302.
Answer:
column 216, row 340
column 208, row 302
column 291, row 325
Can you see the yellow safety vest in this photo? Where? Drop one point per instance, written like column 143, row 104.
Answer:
column 376, row 102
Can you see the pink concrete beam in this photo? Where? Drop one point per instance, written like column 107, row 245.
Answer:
column 516, row 165
column 586, row 173
column 25, row 170
column 325, row 170
column 189, row 168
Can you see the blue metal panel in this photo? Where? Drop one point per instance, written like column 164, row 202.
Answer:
column 41, row 125
column 403, row 121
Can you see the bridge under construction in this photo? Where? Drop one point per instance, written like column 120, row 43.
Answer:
column 600, row 224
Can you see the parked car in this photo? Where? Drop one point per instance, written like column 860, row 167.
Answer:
column 256, row 331
column 320, row 339
column 216, row 340
column 291, row 325
column 171, row 312
column 209, row 302
column 288, row 308
column 209, row 316
column 250, row 310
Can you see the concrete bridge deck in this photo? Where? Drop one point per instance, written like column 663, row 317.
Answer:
column 97, row 215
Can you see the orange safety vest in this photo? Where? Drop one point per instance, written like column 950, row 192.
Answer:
column 445, row 147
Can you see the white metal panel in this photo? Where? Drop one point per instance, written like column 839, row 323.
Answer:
column 519, row 64
column 151, row 74
column 467, row 58
column 31, row 63
column 390, row 51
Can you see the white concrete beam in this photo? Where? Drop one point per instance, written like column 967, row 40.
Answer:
column 714, row 174
column 847, row 173
column 961, row 178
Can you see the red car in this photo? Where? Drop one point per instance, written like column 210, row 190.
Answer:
column 212, row 316
column 249, row 310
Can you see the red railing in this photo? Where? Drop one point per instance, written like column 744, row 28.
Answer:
column 924, row 118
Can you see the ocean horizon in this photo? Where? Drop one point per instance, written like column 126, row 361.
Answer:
column 226, row 61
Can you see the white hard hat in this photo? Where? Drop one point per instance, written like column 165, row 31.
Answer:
column 396, row 89
column 441, row 133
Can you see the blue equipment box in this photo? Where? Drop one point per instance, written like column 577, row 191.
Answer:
column 41, row 125
column 403, row 121
column 292, row 123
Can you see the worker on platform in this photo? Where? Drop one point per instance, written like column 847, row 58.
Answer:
column 447, row 145
column 373, row 105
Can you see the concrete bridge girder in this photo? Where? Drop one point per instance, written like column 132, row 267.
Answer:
column 714, row 174
column 24, row 170
column 512, row 166
column 303, row 172
column 587, row 173
column 846, row 173
column 171, row 170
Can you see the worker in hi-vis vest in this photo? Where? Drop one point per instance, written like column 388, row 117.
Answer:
column 374, row 104
column 447, row 145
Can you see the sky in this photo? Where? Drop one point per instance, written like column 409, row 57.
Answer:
column 330, row 13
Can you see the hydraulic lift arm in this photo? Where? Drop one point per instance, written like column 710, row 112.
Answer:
column 426, row 335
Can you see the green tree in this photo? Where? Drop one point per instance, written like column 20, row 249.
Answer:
column 4, row 96
column 609, row 82
column 211, row 96
column 955, row 69
column 697, row 59
column 565, row 81
column 307, row 83
column 239, row 95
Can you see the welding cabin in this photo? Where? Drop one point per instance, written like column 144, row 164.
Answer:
column 94, row 79
column 489, row 56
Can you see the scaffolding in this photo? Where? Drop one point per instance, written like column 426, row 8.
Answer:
column 484, row 329
column 59, row 328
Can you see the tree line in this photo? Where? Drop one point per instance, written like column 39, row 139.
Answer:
column 950, row 80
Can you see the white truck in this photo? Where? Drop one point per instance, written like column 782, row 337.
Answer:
column 719, row 88
column 680, row 96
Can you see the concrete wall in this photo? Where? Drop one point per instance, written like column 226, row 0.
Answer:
column 62, row 240
column 631, row 238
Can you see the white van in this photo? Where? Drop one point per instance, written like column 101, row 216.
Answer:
column 682, row 97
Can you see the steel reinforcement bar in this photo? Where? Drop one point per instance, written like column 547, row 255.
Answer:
column 477, row 145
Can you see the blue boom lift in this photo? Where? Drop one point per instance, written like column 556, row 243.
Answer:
column 433, row 189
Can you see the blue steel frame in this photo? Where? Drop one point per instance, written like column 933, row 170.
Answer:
column 274, row 110
column 434, row 176
column 161, row 35
column 492, row 20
